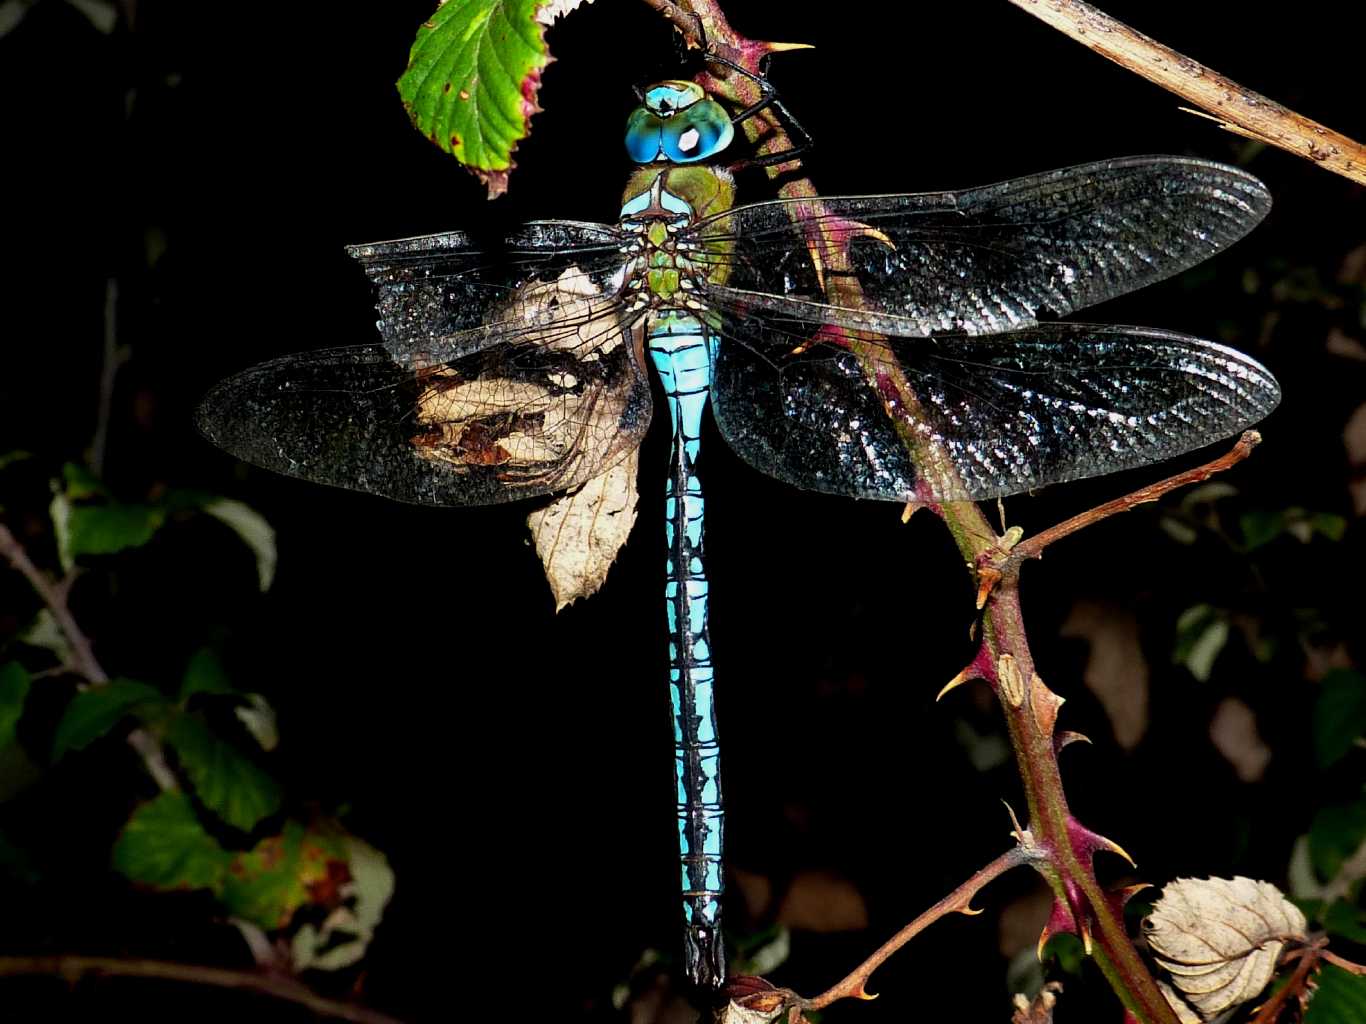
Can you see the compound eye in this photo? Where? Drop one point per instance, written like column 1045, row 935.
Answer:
column 643, row 136
column 699, row 132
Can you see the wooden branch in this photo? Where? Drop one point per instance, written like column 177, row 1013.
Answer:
column 83, row 657
column 1234, row 107
column 276, row 986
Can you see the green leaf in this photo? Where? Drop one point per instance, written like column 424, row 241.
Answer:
column 346, row 932
column 14, row 684
column 255, row 532
column 1339, row 715
column 473, row 75
column 1260, row 527
column 164, row 846
column 107, row 529
column 228, row 782
column 60, row 513
column 95, row 711
column 204, row 674
column 1340, row 998
column 1345, row 920
column 43, row 632
column 1328, row 525
column 1334, row 835
column 1201, row 633
column 80, row 484
column 268, row 883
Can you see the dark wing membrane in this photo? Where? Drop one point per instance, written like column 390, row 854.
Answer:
column 984, row 260
column 962, row 418
column 442, row 296
column 513, row 420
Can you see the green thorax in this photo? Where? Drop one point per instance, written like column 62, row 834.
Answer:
column 659, row 202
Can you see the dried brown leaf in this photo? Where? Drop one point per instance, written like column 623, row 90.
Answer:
column 1220, row 938
column 1116, row 671
column 1233, row 731
column 578, row 536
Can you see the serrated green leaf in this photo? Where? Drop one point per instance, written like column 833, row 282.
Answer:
column 1339, row 715
column 268, row 883
column 224, row 778
column 1339, row 999
column 204, row 674
column 108, row 529
column 95, row 711
column 164, row 846
column 472, row 78
column 255, row 532
column 14, row 685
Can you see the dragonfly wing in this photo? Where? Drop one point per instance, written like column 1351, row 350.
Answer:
column 515, row 419
column 442, row 296
column 962, row 418
column 984, row 260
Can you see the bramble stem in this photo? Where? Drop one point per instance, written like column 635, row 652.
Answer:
column 959, row 901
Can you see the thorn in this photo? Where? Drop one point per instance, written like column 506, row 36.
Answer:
column 1067, row 738
column 987, row 578
column 1085, row 934
column 969, row 911
column 912, row 507
column 785, row 47
column 958, row 680
column 1128, row 892
column 1044, row 936
column 1114, row 847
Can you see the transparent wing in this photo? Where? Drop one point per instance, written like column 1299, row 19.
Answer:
column 984, row 260
column 981, row 417
column 434, row 293
column 537, row 407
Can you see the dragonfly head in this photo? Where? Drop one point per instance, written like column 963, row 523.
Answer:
column 678, row 123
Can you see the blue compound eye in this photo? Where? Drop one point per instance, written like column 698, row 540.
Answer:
column 643, row 136
column 697, row 132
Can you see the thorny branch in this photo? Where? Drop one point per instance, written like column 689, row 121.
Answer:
column 1066, row 847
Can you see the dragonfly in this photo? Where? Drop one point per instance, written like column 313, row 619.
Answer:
column 892, row 347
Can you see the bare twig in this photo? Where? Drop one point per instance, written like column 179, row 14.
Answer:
column 1237, row 109
column 276, row 986
column 687, row 23
column 1032, row 547
column 83, row 660
column 959, row 901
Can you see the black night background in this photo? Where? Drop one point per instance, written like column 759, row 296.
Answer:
column 514, row 764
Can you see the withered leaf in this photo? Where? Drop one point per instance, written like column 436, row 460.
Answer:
column 578, row 536
column 1220, row 938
